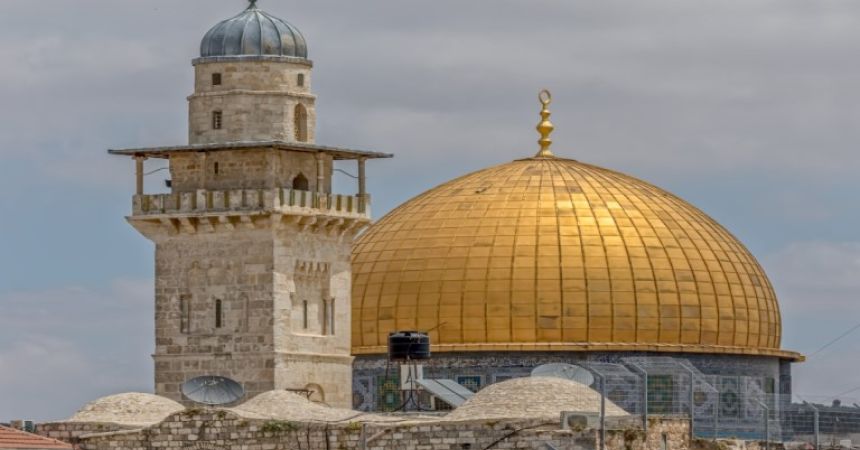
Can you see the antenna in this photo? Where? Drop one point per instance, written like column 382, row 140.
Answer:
column 212, row 390
column 566, row 371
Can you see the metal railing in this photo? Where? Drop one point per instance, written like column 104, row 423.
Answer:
column 724, row 407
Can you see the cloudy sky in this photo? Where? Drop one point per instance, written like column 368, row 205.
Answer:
column 747, row 108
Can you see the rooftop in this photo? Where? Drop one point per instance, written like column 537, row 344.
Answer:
column 12, row 439
column 164, row 152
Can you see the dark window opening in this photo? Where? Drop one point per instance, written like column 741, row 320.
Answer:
column 325, row 317
column 305, row 311
column 300, row 183
column 219, row 314
column 217, row 168
column 217, row 120
column 331, row 317
column 301, row 80
column 216, row 79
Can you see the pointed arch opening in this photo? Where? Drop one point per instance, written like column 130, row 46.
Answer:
column 300, row 183
column 300, row 116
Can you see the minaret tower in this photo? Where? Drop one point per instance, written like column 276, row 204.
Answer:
column 252, row 248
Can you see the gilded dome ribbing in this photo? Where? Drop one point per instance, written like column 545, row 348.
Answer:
column 554, row 254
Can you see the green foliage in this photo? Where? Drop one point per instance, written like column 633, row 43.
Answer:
column 278, row 426
column 192, row 412
column 707, row 444
column 631, row 435
column 353, row 427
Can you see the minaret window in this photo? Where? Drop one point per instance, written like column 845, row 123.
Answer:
column 300, row 80
column 217, row 120
column 301, row 123
column 305, row 314
column 219, row 314
column 330, row 317
column 300, row 183
column 216, row 79
column 325, row 317
column 217, row 168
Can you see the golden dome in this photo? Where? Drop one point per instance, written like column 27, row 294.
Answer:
column 553, row 254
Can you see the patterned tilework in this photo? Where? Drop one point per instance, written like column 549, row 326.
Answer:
column 553, row 254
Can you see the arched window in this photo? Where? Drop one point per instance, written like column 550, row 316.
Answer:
column 301, row 123
column 219, row 314
column 300, row 183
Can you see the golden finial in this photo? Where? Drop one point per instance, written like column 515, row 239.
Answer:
column 545, row 127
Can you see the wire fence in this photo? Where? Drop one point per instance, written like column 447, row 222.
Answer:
column 726, row 407
column 717, row 406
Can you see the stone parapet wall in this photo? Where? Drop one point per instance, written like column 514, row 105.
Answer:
column 285, row 201
column 72, row 432
column 218, row 429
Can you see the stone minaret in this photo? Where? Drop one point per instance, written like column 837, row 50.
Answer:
column 252, row 249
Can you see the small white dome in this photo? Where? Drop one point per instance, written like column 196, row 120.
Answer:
column 288, row 406
column 132, row 408
column 532, row 398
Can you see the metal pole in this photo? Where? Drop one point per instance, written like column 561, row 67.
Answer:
column 692, row 403
column 815, row 428
column 716, row 412
column 766, row 424
column 638, row 368
column 766, row 428
column 602, row 413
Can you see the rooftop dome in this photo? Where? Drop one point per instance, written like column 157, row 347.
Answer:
column 532, row 398
column 127, row 409
column 289, row 406
column 548, row 253
column 254, row 32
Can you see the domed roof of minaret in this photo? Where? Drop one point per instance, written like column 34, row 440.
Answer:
column 254, row 32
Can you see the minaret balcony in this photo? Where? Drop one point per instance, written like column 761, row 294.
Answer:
column 283, row 201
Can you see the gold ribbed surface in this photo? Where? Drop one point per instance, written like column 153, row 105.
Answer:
column 553, row 254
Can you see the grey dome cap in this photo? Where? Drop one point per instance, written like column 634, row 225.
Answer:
column 254, row 33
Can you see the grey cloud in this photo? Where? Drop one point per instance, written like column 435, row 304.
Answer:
column 61, row 348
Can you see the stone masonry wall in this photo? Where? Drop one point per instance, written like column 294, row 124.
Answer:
column 72, row 432
column 313, row 269
column 223, row 430
column 257, row 99
column 284, row 300
column 193, row 273
column 247, row 169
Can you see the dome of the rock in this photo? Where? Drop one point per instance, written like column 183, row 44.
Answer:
column 551, row 254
